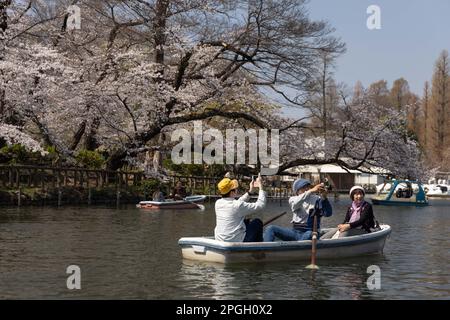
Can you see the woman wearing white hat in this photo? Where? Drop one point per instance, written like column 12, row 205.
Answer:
column 359, row 218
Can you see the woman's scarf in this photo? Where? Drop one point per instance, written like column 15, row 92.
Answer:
column 356, row 211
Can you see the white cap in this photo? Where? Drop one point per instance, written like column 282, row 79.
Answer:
column 354, row 189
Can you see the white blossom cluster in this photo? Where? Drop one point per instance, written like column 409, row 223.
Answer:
column 12, row 135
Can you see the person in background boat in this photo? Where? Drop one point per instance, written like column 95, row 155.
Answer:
column 231, row 225
column 359, row 218
column 307, row 202
column 408, row 190
column 179, row 192
column 158, row 195
column 399, row 193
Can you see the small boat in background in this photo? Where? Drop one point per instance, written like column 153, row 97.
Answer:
column 186, row 203
column 385, row 188
column 437, row 190
column 402, row 193
column 210, row 250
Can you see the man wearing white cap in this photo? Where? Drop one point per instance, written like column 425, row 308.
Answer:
column 304, row 205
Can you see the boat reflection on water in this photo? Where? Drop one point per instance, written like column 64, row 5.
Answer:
column 288, row 281
column 209, row 280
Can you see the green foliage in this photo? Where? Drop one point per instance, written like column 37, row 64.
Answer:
column 183, row 169
column 16, row 153
column 52, row 157
column 90, row 159
column 214, row 170
column 413, row 135
column 51, row 150
column 148, row 187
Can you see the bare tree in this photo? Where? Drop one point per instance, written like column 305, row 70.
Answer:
column 323, row 95
column 400, row 93
column 426, row 112
column 440, row 101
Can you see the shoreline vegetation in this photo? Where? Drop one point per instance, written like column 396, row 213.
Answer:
column 68, row 196
column 95, row 196
column 23, row 185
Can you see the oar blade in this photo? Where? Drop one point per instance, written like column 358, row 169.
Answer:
column 312, row 267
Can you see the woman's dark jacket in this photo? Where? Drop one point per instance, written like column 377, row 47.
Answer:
column 366, row 219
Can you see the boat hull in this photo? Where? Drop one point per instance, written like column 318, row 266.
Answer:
column 181, row 204
column 210, row 250
column 398, row 203
column 443, row 196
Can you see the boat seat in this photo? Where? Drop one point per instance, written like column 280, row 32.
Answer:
column 322, row 232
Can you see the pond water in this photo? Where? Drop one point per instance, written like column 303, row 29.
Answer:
column 130, row 253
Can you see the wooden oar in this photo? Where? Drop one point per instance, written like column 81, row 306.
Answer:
column 313, row 265
column 274, row 218
column 200, row 206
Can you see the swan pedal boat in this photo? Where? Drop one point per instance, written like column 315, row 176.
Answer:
column 210, row 250
column 187, row 203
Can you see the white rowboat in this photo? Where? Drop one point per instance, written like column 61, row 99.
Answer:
column 211, row 250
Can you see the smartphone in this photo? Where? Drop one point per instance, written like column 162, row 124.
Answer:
column 254, row 178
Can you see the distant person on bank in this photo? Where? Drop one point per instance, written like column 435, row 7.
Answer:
column 307, row 202
column 179, row 192
column 231, row 225
column 359, row 218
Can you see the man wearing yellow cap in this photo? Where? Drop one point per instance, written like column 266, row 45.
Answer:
column 231, row 225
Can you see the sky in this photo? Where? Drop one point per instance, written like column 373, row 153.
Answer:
column 413, row 33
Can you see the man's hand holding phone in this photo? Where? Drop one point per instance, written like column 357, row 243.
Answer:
column 256, row 183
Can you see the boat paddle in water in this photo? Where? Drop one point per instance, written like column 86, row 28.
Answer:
column 313, row 264
column 200, row 206
column 190, row 202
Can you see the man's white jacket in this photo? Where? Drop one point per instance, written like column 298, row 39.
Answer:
column 230, row 214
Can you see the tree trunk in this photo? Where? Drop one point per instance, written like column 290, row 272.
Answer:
column 90, row 142
column 4, row 4
column 78, row 135
column 2, row 104
column 159, row 26
column 116, row 160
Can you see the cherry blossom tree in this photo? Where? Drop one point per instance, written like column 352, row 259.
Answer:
column 366, row 136
column 140, row 68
